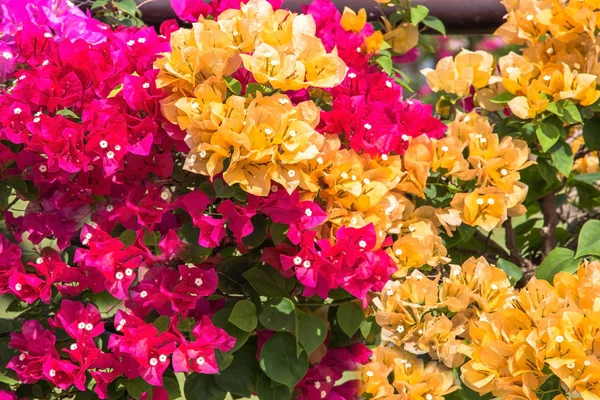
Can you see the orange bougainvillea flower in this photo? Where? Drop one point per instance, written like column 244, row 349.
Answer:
column 457, row 75
column 352, row 21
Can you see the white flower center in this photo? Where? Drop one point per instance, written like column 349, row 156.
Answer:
column 73, row 346
column 119, row 275
column 162, row 358
column 128, row 272
column 200, row 360
column 297, row 260
column 153, row 361
column 306, row 264
column 52, row 373
column 143, row 294
column 18, row 287
column 198, row 282
column 308, row 212
column 362, row 244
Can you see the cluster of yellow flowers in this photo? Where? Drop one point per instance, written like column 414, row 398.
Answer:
column 260, row 141
column 514, row 339
column 559, row 60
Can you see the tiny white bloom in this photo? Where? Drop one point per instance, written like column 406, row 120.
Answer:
column 109, row 208
column 367, row 126
column 306, row 264
column 52, row 373
column 444, row 148
column 18, row 287
column 490, row 201
column 103, row 144
column 351, row 75
column 479, row 201
column 81, row 325
column 7, row 55
column 291, row 173
column 73, row 346
column 110, row 154
column 297, row 260
column 119, row 275
column 388, row 84
column 128, row 272
column 308, row 212
column 398, row 252
column 162, row 358
column 143, row 294
column 17, row 111
column 529, row 17
column 370, row 373
column 153, row 361
column 362, row 244
column 384, row 157
column 142, row 40
column 89, row 327
column 198, row 281
column 118, row 148
column 268, row 131
column 317, row 385
column 560, row 339
column 146, row 85
column 200, row 360
column 47, row 35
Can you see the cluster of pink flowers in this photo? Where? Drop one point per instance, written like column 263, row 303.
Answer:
column 368, row 107
column 58, row 18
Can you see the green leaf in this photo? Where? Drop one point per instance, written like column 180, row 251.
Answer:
column 279, row 232
column 558, row 260
column 350, row 316
column 221, row 320
column 512, row 271
column 591, row 179
column 162, row 323
column 99, row 3
column 222, row 190
column 239, row 378
column 172, row 387
column 312, row 332
column 128, row 237
column 278, row 315
column 589, row 239
column 418, row 14
column 106, row 303
column 127, row 6
column 136, row 387
column 67, row 113
column 562, row 156
column 233, row 84
column 548, row 135
column 279, row 362
column 503, row 98
column 571, row 114
column 435, row 24
column 385, row 63
column 591, row 133
column 243, row 315
column 267, row 281
column 266, row 389
column 200, row 386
